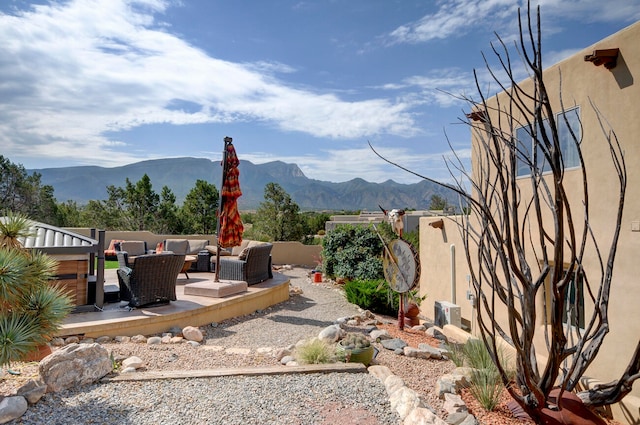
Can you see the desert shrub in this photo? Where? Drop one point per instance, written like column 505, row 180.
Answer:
column 315, row 351
column 455, row 352
column 486, row 387
column 352, row 252
column 486, row 380
column 372, row 295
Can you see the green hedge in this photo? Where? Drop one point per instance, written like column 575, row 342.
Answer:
column 373, row 295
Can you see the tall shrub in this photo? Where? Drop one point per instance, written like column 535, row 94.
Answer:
column 352, row 252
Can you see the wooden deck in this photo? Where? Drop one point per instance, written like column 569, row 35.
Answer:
column 188, row 310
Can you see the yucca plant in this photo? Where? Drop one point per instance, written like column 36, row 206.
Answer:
column 31, row 308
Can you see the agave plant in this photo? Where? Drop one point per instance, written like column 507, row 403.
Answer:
column 31, row 308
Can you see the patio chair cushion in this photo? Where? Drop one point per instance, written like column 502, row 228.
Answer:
column 213, row 250
column 177, row 246
column 134, row 248
column 236, row 250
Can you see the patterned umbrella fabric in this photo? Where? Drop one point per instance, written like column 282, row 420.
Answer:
column 231, row 227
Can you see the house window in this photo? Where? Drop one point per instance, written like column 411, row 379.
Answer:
column 569, row 120
column 573, row 314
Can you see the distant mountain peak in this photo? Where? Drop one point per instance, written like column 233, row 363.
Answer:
column 81, row 184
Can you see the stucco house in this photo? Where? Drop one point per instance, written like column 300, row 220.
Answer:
column 602, row 75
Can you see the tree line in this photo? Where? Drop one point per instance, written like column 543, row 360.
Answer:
column 137, row 206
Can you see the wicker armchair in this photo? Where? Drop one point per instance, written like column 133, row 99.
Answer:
column 150, row 280
column 255, row 268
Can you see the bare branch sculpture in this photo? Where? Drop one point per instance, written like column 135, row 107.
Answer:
column 527, row 239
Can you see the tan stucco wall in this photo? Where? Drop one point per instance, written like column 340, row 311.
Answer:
column 616, row 94
column 292, row 253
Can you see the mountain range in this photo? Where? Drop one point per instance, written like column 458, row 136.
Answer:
column 84, row 183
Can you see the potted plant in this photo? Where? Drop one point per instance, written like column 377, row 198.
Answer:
column 356, row 348
column 31, row 308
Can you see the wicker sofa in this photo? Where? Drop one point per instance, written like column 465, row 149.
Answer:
column 150, row 280
column 252, row 263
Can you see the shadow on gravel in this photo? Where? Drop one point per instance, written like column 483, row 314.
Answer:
column 297, row 303
column 292, row 320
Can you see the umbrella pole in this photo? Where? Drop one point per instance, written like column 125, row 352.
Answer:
column 227, row 140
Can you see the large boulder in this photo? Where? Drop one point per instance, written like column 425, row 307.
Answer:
column 73, row 365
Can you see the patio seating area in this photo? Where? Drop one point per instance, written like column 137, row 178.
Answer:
column 118, row 319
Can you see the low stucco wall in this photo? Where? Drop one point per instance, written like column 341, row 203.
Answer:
column 293, row 253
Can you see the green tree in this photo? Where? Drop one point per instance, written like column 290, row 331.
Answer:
column 201, row 207
column 24, row 193
column 438, row 203
column 278, row 216
column 168, row 217
column 141, row 202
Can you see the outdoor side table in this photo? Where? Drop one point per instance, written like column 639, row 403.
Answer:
column 203, row 261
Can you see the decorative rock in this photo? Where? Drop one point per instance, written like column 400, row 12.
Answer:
column 153, row 340
column 404, row 400
column 264, row 350
column 379, row 335
column 103, row 339
column 419, row 328
column 467, row 372
column 422, row 416
column 456, row 418
column 380, row 372
column 74, row 364
column 193, row 343
column 140, row 339
column 353, row 322
column 436, row 333
column 72, row 340
column 436, row 353
column 128, row 370
column 292, row 363
column 454, row 403
column 469, row 420
column 191, row 333
column 12, row 408
column 393, row 344
column 416, row 352
column 57, row 342
column 133, row 361
column 122, row 339
column 281, row 353
column 330, row 334
column 166, row 339
column 450, row 384
column 88, row 341
column 176, row 340
column 32, row 391
column 393, row 383
column 287, row 359
column 169, row 334
column 342, row 320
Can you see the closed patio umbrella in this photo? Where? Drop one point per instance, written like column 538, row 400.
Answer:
column 230, row 225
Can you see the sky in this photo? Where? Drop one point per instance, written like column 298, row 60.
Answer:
column 114, row 82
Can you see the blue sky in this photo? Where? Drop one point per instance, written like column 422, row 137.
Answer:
column 112, row 82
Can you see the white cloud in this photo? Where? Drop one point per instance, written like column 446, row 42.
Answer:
column 350, row 163
column 71, row 72
column 454, row 18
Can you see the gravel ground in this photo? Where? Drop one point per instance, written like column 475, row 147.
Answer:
column 347, row 398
